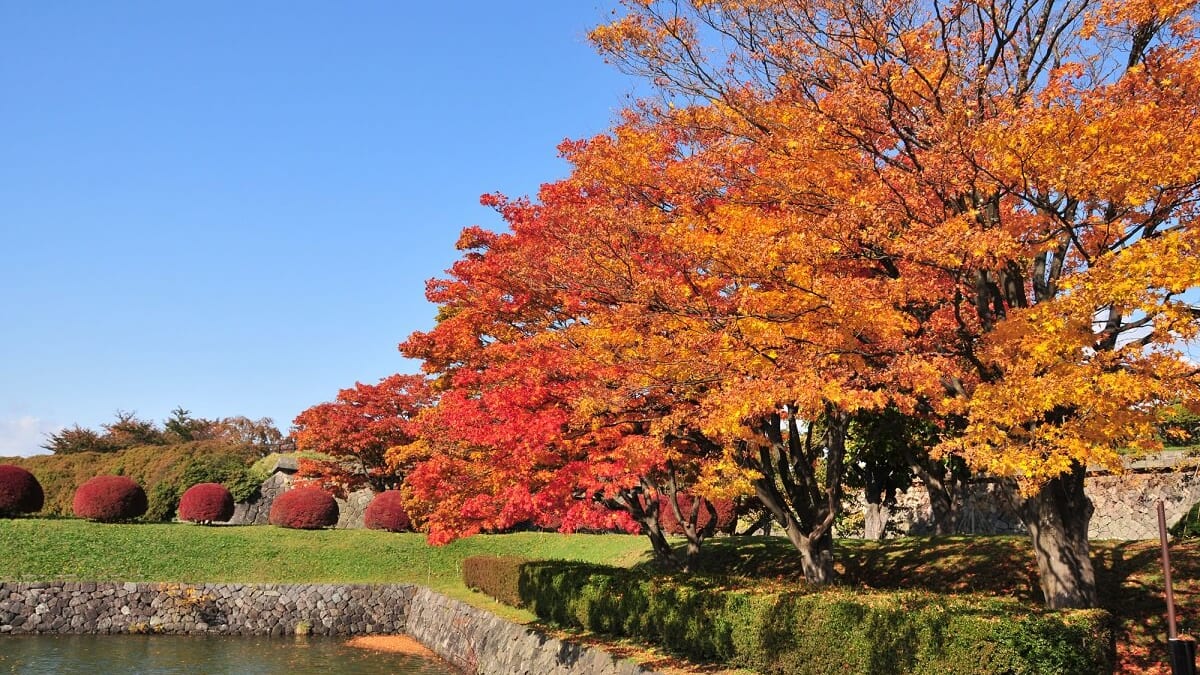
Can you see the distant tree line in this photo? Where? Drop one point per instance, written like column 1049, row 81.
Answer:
column 127, row 430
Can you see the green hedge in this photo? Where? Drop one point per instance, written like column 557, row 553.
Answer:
column 496, row 576
column 834, row 630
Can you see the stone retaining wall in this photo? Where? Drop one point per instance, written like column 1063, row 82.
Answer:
column 1124, row 503
column 467, row 637
column 225, row 609
column 480, row 642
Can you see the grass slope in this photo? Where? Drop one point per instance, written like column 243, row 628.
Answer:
column 35, row 550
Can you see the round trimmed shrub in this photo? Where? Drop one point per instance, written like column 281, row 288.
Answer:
column 20, row 491
column 108, row 499
column 205, row 503
column 304, row 508
column 386, row 512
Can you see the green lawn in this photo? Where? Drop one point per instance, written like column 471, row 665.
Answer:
column 36, row 549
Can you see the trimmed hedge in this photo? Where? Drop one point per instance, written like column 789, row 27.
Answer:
column 497, row 576
column 206, row 503
column 304, row 508
column 386, row 512
column 109, row 499
column 20, row 491
column 825, row 631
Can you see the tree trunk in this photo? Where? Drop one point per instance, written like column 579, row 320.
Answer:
column 802, row 502
column 642, row 506
column 944, row 488
column 944, row 507
column 875, row 520
column 816, row 554
column 658, row 541
column 1057, row 518
column 877, row 513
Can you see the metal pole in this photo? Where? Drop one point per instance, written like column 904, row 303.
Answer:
column 1172, row 630
column 1182, row 652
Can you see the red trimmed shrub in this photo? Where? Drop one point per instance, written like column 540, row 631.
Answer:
column 304, row 508
column 666, row 515
column 386, row 512
column 107, row 499
column 205, row 503
column 20, row 491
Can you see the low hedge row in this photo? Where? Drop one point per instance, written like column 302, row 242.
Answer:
column 831, row 630
column 497, row 576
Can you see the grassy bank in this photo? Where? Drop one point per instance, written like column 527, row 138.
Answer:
column 35, row 549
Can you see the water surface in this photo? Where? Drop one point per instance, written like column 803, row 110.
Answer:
column 183, row 655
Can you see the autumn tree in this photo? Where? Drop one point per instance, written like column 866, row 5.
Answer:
column 75, row 439
column 357, row 428
column 535, row 420
column 1008, row 188
column 260, row 434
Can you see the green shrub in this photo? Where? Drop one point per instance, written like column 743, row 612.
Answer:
column 830, row 630
column 1188, row 526
column 497, row 576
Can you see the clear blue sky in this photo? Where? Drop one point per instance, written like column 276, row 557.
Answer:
column 234, row 206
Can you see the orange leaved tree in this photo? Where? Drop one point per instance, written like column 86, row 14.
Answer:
column 1003, row 196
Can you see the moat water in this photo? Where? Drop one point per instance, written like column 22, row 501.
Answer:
column 182, row 655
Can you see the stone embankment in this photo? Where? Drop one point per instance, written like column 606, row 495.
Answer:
column 480, row 642
column 467, row 637
column 227, row 609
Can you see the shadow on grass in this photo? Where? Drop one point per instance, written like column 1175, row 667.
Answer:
column 1001, row 566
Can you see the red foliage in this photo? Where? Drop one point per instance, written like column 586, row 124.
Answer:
column 20, row 491
column 304, row 508
column 386, row 512
column 108, row 499
column 205, row 503
column 726, row 513
column 358, row 428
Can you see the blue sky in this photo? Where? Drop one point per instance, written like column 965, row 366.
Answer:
column 234, row 206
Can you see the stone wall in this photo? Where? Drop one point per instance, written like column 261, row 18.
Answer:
column 1124, row 503
column 467, row 637
column 226, row 609
column 257, row 512
column 480, row 642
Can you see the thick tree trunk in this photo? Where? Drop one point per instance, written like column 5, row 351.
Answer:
column 1057, row 518
column 875, row 521
column 943, row 507
column 802, row 502
column 658, row 541
column 944, row 489
column 816, row 553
